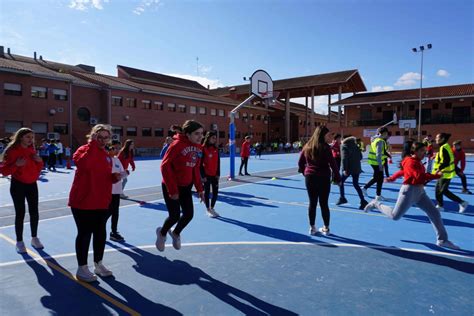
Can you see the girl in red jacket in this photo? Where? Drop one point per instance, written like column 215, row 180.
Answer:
column 210, row 171
column 245, row 154
column 126, row 158
column 180, row 170
column 24, row 165
column 413, row 192
column 89, row 199
column 460, row 157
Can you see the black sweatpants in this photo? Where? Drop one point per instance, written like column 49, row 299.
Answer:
column 442, row 188
column 462, row 176
column 318, row 188
column 88, row 223
column 376, row 178
column 19, row 192
column 52, row 161
column 214, row 183
column 184, row 203
column 114, row 211
column 244, row 163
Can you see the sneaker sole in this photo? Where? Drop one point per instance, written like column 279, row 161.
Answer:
column 86, row 280
column 104, row 275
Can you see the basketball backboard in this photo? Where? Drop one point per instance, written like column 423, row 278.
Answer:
column 407, row 124
column 261, row 84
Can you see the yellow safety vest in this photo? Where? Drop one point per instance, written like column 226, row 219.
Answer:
column 372, row 158
column 448, row 172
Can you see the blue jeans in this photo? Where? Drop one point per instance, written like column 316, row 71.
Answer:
column 355, row 183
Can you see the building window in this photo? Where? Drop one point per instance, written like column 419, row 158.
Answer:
column 221, row 134
column 146, row 104
column 461, row 114
column 192, row 109
column 171, row 107
column 448, row 106
column 435, row 106
column 131, row 103
column 83, row 114
column 131, row 131
column 117, row 101
column 117, row 130
column 379, row 109
column 60, row 94
column 158, row 105
column 213, row 112
column 411, row 107
column 12, row 126
column 39, row 128
column 365, row 114
column 61, row 129
column 182, row 108
column 251, row 116
column 146, row 131
column 237, row 115
column 11, row 89
column 221, row 113
column 39, row 92
column 159, row 132
column 259, row 117
column 244, row 115
column 202, row 110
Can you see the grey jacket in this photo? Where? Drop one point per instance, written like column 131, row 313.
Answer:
column 351, row 156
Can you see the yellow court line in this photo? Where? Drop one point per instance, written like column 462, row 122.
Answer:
column 67, row 274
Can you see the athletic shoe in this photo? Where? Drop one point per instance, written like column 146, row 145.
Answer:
column 440, row 208
column 313, row 231
column 116, row 237
column 211, row 213
column 215, row 213
column 84, row 274
column 466, row 191
column 363, row 204
column 20, row 247
column 176, row 240
column 364, row 192
column 463, row 206
column 247, row 174
column 241, row 174
column 101, row 270
column 324, row 231
column 160, row 240
column 123, row 196
column 380, row 198
column 36, row 243
column 342, row 200
column 370, row 206
column 447, row 244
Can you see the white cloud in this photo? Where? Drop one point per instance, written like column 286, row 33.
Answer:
column 381, row 88
column 443, row 73
column 146, row 4
column 83, row 5
column 408, row 79
column 204, row 70
column 213, row 83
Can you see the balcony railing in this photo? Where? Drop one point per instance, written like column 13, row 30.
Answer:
column 439, row 119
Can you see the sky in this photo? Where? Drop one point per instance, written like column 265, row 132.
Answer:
column 218, row 42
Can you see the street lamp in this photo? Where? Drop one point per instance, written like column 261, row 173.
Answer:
column 420, row 50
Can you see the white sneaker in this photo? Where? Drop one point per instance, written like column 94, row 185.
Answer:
column 313, row 231
column 447, row 244
column 160, row 240
column 440, row 208
column 101, row 270
column 371, row 206
column 215, row 213
column 20, row 247
column 380, row 198
column 211, row 213
column 176, row 240
column 84, row 274
column 36, row 243
column 364, row 192
column 324, row 231
column 463, row 206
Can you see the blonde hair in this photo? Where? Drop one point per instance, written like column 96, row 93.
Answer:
column 17, row 138
column 99, row 128
column 315, row 144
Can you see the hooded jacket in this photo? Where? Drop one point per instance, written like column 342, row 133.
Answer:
column 351, row 156
column 413, row 172
column 28, row 173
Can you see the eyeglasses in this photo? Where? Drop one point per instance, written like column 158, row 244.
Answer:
column 103, row 138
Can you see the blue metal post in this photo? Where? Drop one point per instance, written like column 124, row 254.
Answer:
column 232, row 148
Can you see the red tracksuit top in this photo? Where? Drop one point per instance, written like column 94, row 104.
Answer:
column 413, row 172
column 245, row 151
column 459, row 156
column 210, row 161
column 92, row 185
column 28, row 173
column 181, row 164
column 127, row 161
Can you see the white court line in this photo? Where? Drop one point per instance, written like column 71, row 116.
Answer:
column 265, row 243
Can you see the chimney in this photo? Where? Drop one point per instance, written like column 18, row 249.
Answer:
column 1, row 52
column 208, row 87
column 8, row 51
column 41, row 57
column 34, row 55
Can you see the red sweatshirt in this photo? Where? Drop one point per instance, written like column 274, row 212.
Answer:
column 210, row 161
column 92, row 185
column 127, row 161
column 28, row 173
column 414, row 172
column 245, row 150
column 459, row 156
column 180, row 165
column 336, row 149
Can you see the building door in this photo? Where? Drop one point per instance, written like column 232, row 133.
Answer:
column 461, row 114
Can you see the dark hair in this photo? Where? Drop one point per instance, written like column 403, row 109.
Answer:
column 190, row 126
column 407, row 148
column 337, row 136
column 457, row 142
column 17, row 138
column 315, row 145
column 417, row 146
column 445, row 137
column 126, row 148
column 176, row 129
column 115, row 142
column 208, row 137
column 382, row 130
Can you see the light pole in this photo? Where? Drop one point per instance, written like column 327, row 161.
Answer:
column 420, row 50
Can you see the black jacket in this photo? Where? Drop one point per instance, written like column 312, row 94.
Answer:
column 351, row 156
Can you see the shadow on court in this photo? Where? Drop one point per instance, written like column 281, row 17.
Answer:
column 270, row 184
column 242, row 199
column 446, row 221
column 181, row 273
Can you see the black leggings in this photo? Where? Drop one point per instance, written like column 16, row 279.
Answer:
column 462, row 176
column 214, row 182
column 185, row 202
column 355, row 184
column 243, row 163
column 442, row 188
column 376, row 178
column 114, row 211
column 19, row 192
column 385, row 167
column 88, row 223
column 52, row 161
column 318, row 188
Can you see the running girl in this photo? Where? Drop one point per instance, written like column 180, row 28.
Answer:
column 210, row 171
column 126, row 156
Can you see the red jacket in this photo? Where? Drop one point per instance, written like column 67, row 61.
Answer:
column 459, row 156
column 245, row 150
column 127, row 161
column 92, row 185
column 181, row 164
column 28, row 173
column 210, row 163
column 413, row 172
column 336, row 149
